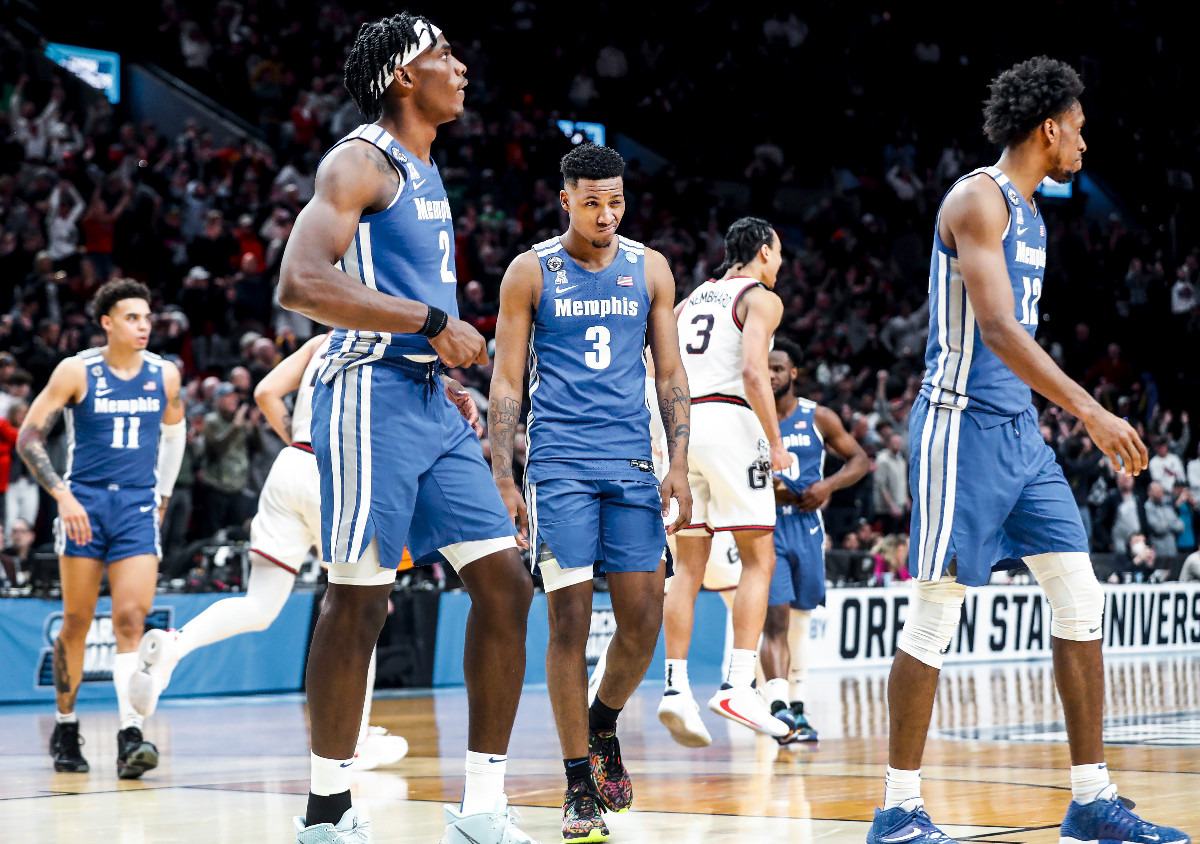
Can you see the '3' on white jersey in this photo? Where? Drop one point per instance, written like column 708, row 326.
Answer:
column 710, row 338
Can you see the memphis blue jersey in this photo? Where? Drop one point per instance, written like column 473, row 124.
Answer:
column 960, row 370
column 406, row 250
column 804, row 441
column 112, row 433
column 588, row 417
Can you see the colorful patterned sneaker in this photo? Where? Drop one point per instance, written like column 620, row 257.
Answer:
column 608, row 773
column 1106, row 819
column 802, row 731
column 64, row 747
column 349, row 830
column 496, row 827
column 680, row 714
column 902, row 825
column 135, row 755
column 582, row 820
column 781, row 711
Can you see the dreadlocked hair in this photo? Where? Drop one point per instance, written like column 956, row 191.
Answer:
column 742, row 242
column 114, row 291
column 1027, row 94
column 589, row 161
column 787, row 347
column 374, row 53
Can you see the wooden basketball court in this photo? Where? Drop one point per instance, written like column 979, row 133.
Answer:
column 236, row 770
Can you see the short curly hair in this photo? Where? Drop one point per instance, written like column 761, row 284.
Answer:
column 591, row 161
column 1027, row 94
column 114, row 291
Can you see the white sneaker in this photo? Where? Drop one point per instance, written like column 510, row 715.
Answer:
column 680, row 714
column 746, row 706
column 158, row 654
column 349, row 830
column 597, row 675
column 498, row 827
column 379, row 748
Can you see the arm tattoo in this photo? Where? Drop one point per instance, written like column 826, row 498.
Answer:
column 503, row 417
column 31, row 445
column 383, row 167
column 676, row 410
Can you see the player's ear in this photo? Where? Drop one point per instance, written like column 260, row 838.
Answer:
column 564, row 199
column 403, row 78
column 1050, row 129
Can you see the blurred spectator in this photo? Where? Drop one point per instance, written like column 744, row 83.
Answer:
column 15, row 555
column 229, row 434
column 1162, row 520
column 892, row 500
column 8, row 449
column 1190, row 573
column 1185, row 506
column 891, row 560
column 1082, row 465
column 1193, row 472
column 1124, row 513
column 1135, row 564
column 1165, row 468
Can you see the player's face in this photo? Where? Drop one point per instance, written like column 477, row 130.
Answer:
column 440, row 79
column 773, row 260
column 596, row 207
column 128, row 324
column 1068, row 153
column 782, row 373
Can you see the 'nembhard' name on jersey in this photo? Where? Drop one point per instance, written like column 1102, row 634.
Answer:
column 569, row 307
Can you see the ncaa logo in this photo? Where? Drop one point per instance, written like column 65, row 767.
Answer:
column 554, row 263
column 1012, row 197
column 96, row 371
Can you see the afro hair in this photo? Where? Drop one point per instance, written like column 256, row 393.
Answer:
column 1027, row 94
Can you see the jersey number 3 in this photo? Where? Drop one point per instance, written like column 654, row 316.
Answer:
column 703, row 335
column 601, row 355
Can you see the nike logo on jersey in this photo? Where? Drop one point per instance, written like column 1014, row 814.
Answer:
column 146, row 509
column 417, row 184
column 814, row 529
column 911, row 833
column 1022, row 229
column 104, row 392
column 560, row 290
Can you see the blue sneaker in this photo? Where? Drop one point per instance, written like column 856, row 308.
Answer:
column 900, row 826
column 1107, row 820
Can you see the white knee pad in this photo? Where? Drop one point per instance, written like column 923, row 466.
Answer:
column 932, row 619
column 1075, row 596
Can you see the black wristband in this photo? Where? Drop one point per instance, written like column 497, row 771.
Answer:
column 435, row 322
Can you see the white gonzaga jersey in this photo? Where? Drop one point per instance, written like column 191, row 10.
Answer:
column 302, row 410
column 710, row 338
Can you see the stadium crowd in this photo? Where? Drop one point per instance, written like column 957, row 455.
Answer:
column 86, row 195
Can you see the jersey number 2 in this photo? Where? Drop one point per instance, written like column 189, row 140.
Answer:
column 126, row 436
column 1029, row 306
column 601, row 354
column 704, row 335
column 444, row 245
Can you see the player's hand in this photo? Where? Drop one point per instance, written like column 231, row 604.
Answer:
column 815, row 496
column 460, row 344
column 465, row 404
column 1119, row 442
column 781, row 458
column 675, row 485
column 514, row 503
column 74, row 518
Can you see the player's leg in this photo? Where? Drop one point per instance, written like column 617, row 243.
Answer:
column 775, row 650
column 799, row 645
column 376, row 747
column 132, row 581
column 80, row 578
column 678, row 710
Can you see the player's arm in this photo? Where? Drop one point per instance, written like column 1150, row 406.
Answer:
column 354, row 178
column 280, row 381
column 838, row 440
column 670, row 381
column 975, row 216
column 518, row 300
column 764, row 310
column 66, row 386
column 172, row 438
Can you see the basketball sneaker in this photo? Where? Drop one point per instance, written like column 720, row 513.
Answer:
column 744, row 705
column 349, row 830
column 609, row 776
column 498, row 827
column 680, row 714
column 908, row 825
column 135, row 755
column 158, row 654
column 64, row 747
column 1107, row 819
column 583, row 815
column 800, row 731
column 379, row 748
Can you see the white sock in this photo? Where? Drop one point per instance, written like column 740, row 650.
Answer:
column 741, row 667
column 799, row 640
column 266, row 593
column 777, row 689
column 66, row 718
column 124, row 667
column 677, row 677
column 1088, row 781
column 900, row 786
column 365, row 726
column 329, row 776
column 485, row 782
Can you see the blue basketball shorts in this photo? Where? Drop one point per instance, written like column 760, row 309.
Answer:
column 124, row 523
column 400, row 465
column 985, row 488
column 578, row 527
column 799, row 578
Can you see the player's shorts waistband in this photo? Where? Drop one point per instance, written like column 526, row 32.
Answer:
column 720, row 398
column 303, row 447
column 73, row 485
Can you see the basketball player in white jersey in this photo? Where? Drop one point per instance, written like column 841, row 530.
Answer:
column 282, row 533
column 725, row 331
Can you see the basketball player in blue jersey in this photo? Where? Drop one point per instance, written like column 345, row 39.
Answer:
column 581, row 306
column 801, row 490
column 985, row 486
column 125, row 434
column 373, row 255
